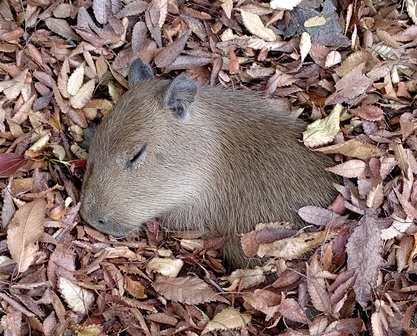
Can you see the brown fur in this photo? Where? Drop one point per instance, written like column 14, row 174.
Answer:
column 231, row 163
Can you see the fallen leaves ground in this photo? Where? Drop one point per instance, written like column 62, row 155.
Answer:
column 350, row 70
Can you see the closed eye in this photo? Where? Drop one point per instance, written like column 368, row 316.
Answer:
column 137, row 158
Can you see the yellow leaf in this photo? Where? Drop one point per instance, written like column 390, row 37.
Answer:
column 352, row 148
column 227, row 319
column 324, row 130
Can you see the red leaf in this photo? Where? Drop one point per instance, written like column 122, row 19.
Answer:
column 10, row 163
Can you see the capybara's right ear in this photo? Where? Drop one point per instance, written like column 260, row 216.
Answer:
column 139, row 72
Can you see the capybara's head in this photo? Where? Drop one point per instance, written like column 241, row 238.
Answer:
column 147, row 157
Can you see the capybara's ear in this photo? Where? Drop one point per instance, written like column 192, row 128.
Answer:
column 180, row 95
column 139, row 72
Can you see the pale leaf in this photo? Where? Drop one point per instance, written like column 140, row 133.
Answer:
column 165, row 266
column 284, row 4
column 324, row 130
column 163, row 11
column 24, row 230
column 349, row 169
column 248, row 277
column 411, row 10
column 316, row 215
column 133, row 8
column 227, row 319
column 188, row 290
column 138, row 35
column 305, row 45
column 79, row 299
column 83, row 95
column 396, row 229
column 294, row 247
column 100, row 10
column 375, row 196
column 76, row 80
column 376, row 323
column 254, row 24
column 39, row 144
column 332, row 58
column 227, row 6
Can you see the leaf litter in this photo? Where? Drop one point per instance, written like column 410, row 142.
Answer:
column 347, row 67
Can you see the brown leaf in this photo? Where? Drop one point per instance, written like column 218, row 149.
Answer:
column 352, row 148
column 62, row 28
column 294, row 247
column 133, row 8
column 364, row 250
column 188, row 290
column 264, row 301
column 368, row 112
column 350, row 87
column 170, row 53
column 135, row 288
column 319, row 295
column 292, row 310
column 138, row 35
column 24, row 230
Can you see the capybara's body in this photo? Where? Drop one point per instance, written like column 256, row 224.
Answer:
column 199, row 158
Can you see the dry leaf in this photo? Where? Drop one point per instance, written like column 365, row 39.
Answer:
column 364, row 250
column 100, row 8
column 165, row 266
column 305, row 45
column 135, row 288
column 368, row 112
column 171, row 52
column 75, row 81
column 188, row 290
column 256, row 27
column 83, row 95
column 227, row 6
column 353, row 85
column 79, row 299
column 352, row 148
column 324, row 130
column 292, row 310
column 349, row 169
column 62, row 28
column 284, row 4
column 24, row 230
column 227, row 319
column 294, row 247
